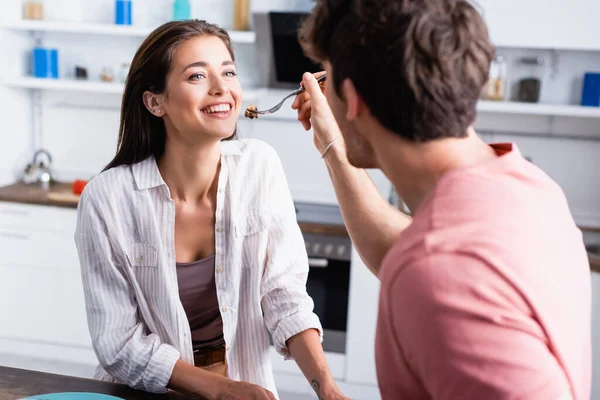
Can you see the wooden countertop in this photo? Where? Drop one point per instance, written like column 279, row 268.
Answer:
column 59, row 195
column 34, row 194
column 19, row 383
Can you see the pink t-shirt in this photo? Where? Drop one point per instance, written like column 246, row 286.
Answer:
column 487, row 295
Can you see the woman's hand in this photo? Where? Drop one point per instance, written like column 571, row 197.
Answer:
column 314, row 111
column 234, row 390
column 197, row 382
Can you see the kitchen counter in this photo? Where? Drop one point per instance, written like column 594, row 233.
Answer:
column 59, row 195
column 34, row 194
column 19, row 383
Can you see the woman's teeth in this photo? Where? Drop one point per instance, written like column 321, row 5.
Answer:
column 218, row 108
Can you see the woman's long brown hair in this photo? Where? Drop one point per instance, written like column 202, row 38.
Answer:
column 142, row 134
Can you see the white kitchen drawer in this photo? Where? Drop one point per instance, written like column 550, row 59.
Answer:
column 43, row 306
column 38, row 249
column 37, row 218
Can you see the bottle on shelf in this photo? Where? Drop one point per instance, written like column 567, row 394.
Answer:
column 181, row 10
column 123, row 12
column 33, row 9
column 241, row 11
column 495, row 86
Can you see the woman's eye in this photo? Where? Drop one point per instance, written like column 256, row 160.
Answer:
column 196, row 77
column 230, row 74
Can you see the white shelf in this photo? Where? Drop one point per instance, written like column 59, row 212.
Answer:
column 68, row 85
column 100, row 29
column 65, row 85
column 556, row 110
column 495, row 107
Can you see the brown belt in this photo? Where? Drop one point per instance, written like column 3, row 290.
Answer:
column 210, row 357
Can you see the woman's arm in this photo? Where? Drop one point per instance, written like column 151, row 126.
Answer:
column 306, row 349
column 120, row 339
column 197, row 382
column 288, row 309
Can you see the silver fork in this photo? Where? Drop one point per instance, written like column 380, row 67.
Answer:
column 293, row 94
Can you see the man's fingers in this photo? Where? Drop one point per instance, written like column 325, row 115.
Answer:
column 304, row 115
column 312, row 88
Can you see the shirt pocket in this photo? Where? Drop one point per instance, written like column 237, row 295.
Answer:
column 142, row 255
column 145, row 274
column 250, row 222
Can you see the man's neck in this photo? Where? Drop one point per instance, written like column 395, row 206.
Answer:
column 415, row 168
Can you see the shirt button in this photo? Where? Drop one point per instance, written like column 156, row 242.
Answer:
column 224, row 309
column 228, row 348
column 139, row 259
column 221, row 190
column 219, row 230
column 219, row 269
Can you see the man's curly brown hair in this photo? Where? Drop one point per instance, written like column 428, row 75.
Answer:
column 419, row 65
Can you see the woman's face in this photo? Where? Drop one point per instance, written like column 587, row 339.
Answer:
column 203, row 93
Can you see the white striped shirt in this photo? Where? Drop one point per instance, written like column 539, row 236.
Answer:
column 125, row 240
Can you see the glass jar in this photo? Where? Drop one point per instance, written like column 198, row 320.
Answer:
column 530, row 86
column 124, row 72
column 33, row 9
column 495, row 87
column 107, row 75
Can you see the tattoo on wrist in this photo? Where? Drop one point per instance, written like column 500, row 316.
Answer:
column 316, row 387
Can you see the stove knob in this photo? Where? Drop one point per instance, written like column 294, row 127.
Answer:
column 316, row 247
column 341, row 250
column 328, row 249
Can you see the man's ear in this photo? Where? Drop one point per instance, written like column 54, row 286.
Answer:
column 354, row 104
column 153, row 103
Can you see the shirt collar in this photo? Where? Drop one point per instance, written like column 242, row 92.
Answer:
column 147, row 175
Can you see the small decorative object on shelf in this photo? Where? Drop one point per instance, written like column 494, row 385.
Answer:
column 591, row 90
column 241, row 10
column 33, row 9
column 495, row 87
column 107, row 75
column 181, row 10
column 124, row 71
column 123, row 12
column 45, row 63
column 81, row 73
column 530, row 87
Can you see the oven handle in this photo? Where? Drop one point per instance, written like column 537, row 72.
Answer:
column 318, row 262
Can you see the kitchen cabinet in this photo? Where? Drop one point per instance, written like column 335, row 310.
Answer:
column 43, row 310
column 546, row 24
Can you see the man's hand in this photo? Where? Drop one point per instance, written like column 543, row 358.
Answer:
column 234, row 390
column 314, row 111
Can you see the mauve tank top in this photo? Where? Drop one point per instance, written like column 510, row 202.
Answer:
column 198, row 294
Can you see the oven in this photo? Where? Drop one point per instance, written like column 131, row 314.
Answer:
column 281, row 60
column 329, row 252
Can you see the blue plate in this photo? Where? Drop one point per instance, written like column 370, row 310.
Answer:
column 73, row 396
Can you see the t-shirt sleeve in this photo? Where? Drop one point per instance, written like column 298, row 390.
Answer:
column 466, row 332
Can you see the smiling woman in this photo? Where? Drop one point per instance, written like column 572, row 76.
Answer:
column 188, row 241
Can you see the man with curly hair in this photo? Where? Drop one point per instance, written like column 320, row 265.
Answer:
column 485, row 293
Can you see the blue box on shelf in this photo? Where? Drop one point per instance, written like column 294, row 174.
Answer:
column 591, row 90
column 45, row 63
column 123, row 12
